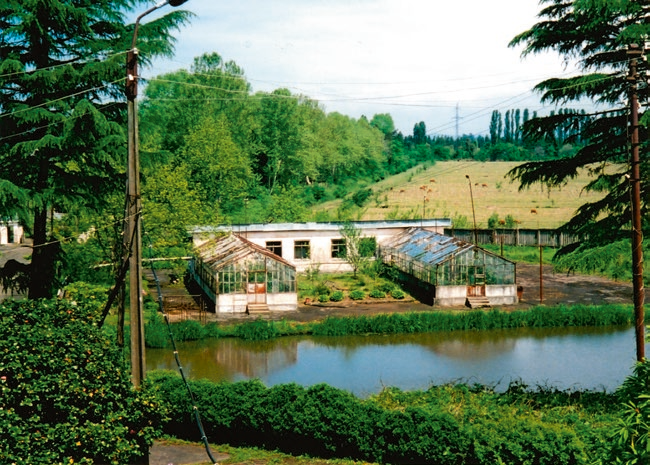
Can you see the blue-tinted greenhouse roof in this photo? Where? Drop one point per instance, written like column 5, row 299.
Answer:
column 427, row 246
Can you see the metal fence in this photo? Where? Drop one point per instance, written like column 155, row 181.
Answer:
column 185, row 307
column 523, row 237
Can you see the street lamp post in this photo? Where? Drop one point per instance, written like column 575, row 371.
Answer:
column 132, row 233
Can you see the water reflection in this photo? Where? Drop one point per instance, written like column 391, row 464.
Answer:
column 227, row 359
column 585, row 358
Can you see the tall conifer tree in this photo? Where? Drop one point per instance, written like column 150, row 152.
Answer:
column 595, row 34
column 62, row 129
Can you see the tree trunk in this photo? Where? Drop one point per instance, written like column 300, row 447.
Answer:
column 42, row 267
column 41, row 277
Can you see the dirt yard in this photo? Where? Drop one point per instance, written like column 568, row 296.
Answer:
column 556, row 288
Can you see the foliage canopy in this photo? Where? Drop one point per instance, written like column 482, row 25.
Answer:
column 595, row 34
column 66, row 396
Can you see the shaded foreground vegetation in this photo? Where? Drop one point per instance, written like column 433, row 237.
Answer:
column 66, row 398
column 65, row 391
column 451, row 424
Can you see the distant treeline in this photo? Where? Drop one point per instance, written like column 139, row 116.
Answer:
column 238, row 156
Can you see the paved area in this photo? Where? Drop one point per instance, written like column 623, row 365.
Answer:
column 164, row 453
column 19, row 252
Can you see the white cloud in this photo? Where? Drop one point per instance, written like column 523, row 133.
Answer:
column 414, row 59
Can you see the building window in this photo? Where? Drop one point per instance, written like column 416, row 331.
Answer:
column 230, row 280
column 275, row 247
column 338, row 248
column 301, row 250
column 280, row 278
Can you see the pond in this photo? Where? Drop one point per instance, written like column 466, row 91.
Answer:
column 563, row 358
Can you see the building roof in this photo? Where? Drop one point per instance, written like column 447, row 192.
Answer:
column 430, row 247
column 427, row 246
column 231, row 248
column 329, row 226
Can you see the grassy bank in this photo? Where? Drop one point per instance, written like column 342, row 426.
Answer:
column 450, row 424
column 157, row 334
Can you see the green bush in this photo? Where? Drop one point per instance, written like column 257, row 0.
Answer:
column 323, row 298
column 377, row 294
column 357, row 294
column 541, row 316
column 360, row 197
column 188, row 330
column 321, row 289
column 386, row 287
column 449, row 425
column 66, row 393
column 631, row 441
column 337, row 296
column 397, row 294
column 156, row 333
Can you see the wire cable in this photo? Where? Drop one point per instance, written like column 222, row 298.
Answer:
column 195, row 409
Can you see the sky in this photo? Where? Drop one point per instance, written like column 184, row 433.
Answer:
column 446, row 63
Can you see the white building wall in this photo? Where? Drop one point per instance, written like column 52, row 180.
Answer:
column 448, row 296
column 505, row 294
column 319, row 235
column 16, row 236
column 231, row 303
column 320, row 246
column 286, row 301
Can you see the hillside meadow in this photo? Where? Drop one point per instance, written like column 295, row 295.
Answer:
column 443, row 191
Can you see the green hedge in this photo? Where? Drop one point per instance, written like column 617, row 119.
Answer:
column 327, row 422
column 540, row 316
column 66, row 396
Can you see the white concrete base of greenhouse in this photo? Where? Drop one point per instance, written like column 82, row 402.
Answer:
column 450, row 296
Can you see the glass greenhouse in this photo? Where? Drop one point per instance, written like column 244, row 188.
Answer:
column 237, row 274
column 442, row 261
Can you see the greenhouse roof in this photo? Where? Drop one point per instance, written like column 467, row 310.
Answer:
column 231, row 248
column 427, row 246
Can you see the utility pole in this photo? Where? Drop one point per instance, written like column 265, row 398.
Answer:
column 471, row 195
column 132, row 232
column 634, row 52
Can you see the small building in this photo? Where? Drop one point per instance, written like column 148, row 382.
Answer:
column 11, row 232
column 321, row 245
column 242, row 277
column 446, row 271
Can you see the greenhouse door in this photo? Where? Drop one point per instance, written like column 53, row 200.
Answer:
column 256, row 287
column 476, row 285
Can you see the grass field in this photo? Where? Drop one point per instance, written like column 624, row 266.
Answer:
column 443, row 191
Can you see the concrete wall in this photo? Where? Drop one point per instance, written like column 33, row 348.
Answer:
column 505, row 294
column 236, row 303
column 449, row 296
column 286, row 301
column 231, row 303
